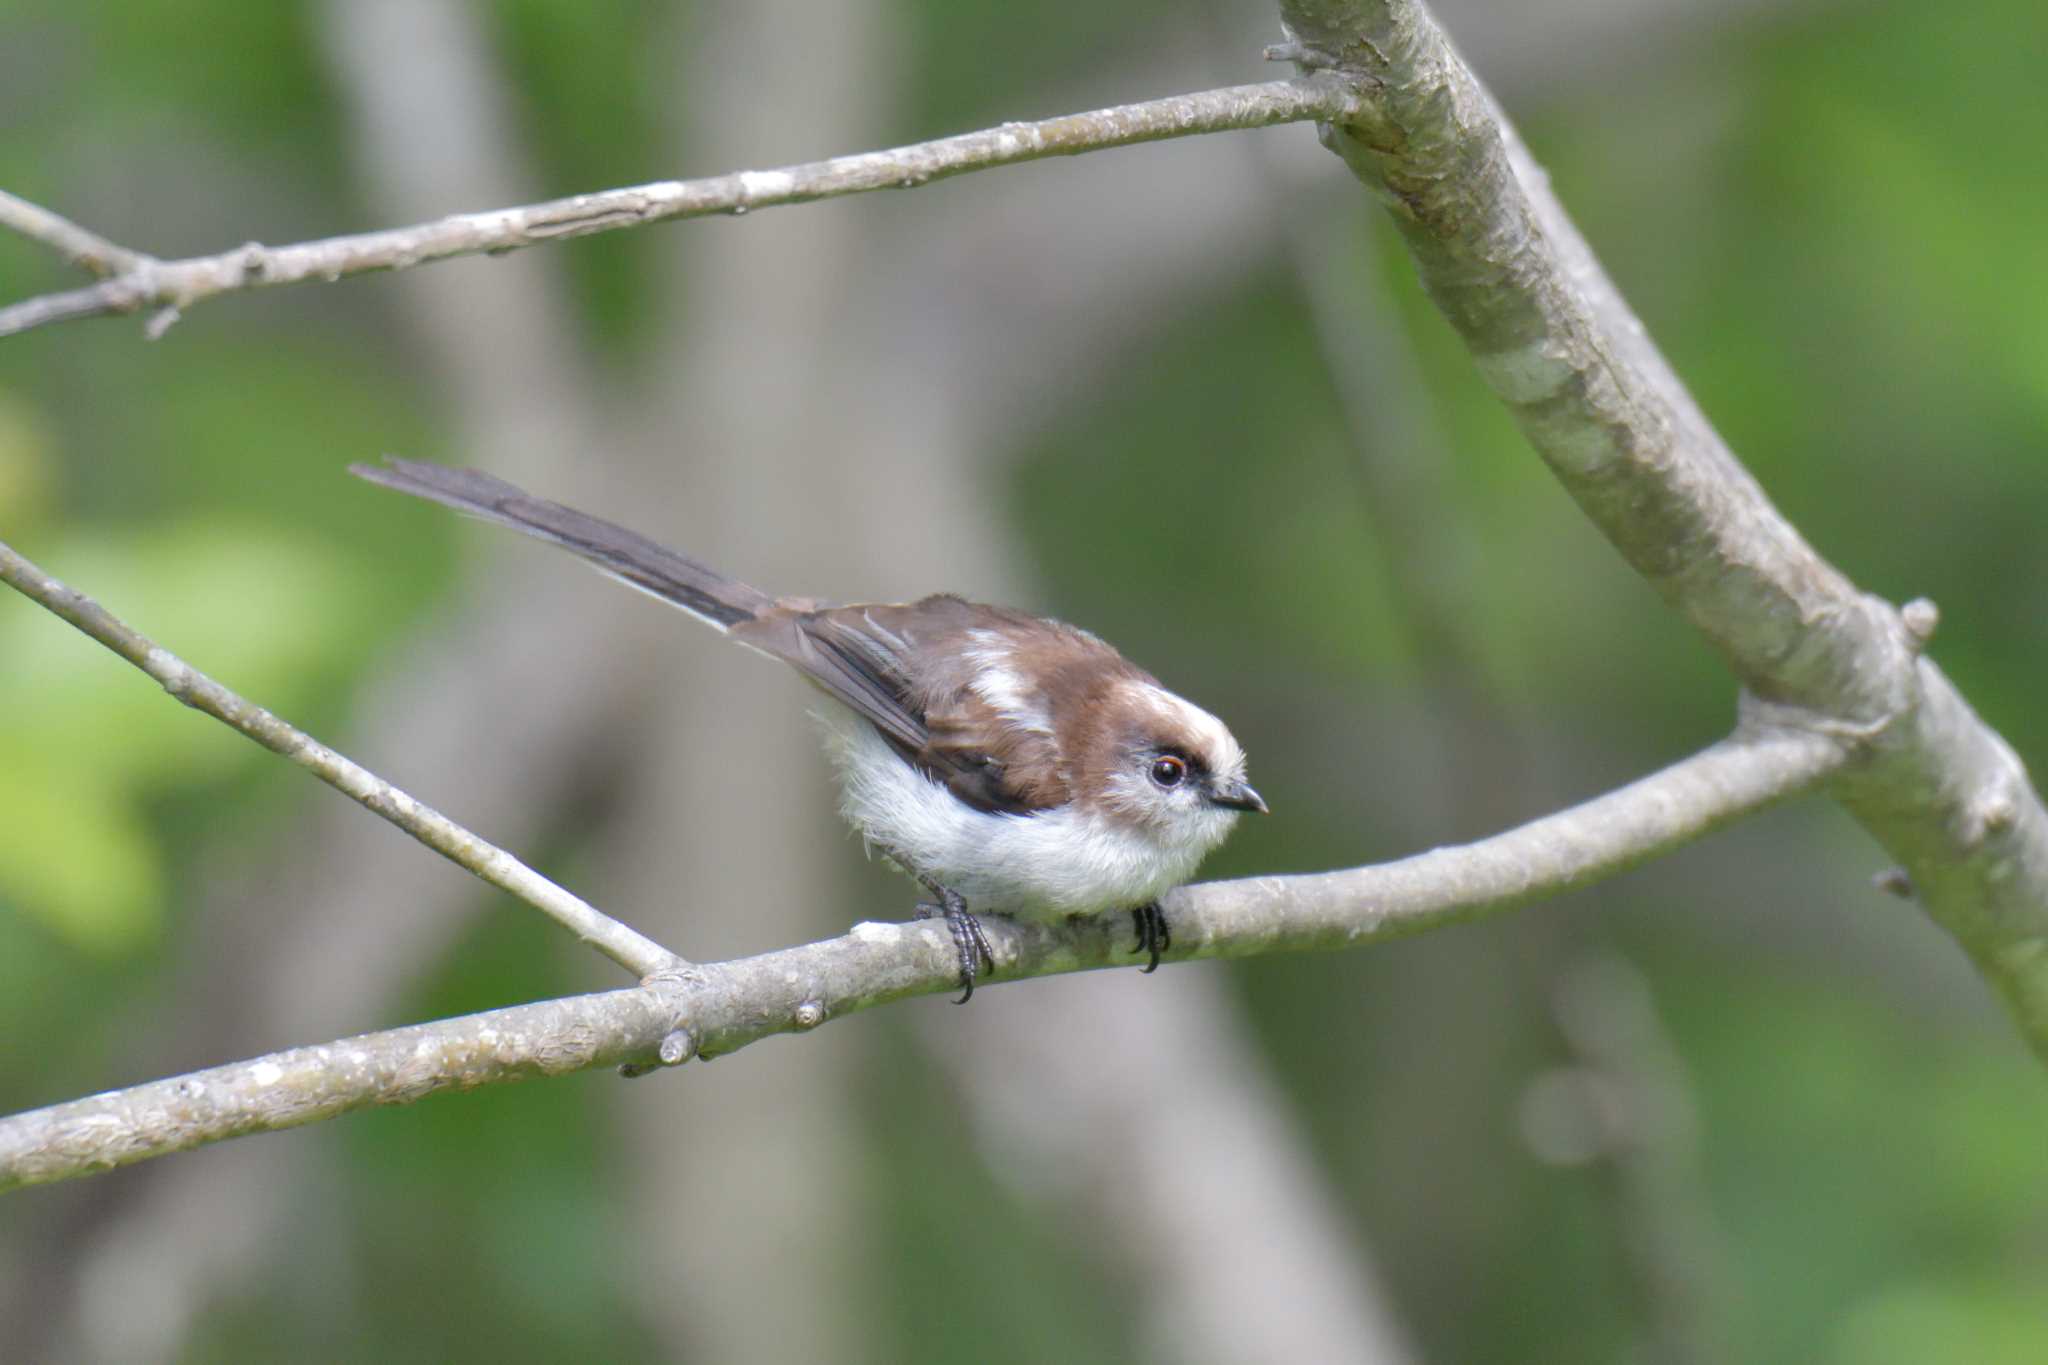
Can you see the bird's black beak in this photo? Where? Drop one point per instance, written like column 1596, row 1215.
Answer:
column 1238, row 796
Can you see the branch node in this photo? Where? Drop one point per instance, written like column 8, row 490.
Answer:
column 1307, row 56
column 172, row 672
column 1894, row 881
column 1921, row 617
column 808, row 1015
column 678, row 971
column 678, row 1048
column 1991, row 813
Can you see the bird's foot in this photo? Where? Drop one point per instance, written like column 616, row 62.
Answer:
column 968, row 939
column 1153, row 936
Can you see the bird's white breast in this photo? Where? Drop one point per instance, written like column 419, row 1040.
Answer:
column 1046, row 865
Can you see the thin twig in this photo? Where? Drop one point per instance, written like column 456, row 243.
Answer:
column 637, row 953
column 177, row 285
column 87, row 250
column 712, row 1009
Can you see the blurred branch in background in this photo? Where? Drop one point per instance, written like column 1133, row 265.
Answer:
column 1156, row 1126
column 170, row 287
column 1624, row 1109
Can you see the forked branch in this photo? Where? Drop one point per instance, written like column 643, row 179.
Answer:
column 1552, row 337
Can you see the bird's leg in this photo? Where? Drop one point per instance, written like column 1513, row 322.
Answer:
column 1153, row 936
column 968, row 939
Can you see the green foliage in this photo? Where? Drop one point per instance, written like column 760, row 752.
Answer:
column 81, row 858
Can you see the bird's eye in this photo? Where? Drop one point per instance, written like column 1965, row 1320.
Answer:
column 1169, row 771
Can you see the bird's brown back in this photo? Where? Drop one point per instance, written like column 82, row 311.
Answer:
column 944, row 682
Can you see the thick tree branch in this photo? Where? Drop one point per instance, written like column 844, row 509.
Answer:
column 1554, row 340
column 712, row 1009
column 638, row 954
column 177, row 285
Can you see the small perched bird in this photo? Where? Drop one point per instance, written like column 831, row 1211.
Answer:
column 1010, row 763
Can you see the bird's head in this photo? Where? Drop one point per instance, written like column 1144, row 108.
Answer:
column 1161, row 764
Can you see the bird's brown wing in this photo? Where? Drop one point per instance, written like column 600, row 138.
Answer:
column 909, row 671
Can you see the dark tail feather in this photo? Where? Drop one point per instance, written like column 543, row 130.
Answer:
column 626, row 555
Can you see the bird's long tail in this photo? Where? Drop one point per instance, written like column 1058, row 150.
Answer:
column 626, row 555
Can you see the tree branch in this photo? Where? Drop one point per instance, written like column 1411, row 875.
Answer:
column 306, row 1084
column 638, row 954
column 87, row 250
column 177, row 285
column 712, row 1009
column 1553, row 338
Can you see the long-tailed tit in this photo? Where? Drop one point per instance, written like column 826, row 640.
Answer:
column 1010, row 763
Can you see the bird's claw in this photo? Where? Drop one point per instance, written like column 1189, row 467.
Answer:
column 968, row 939
column 1149, row 921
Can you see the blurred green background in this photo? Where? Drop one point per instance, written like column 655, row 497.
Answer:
column 1735, row 1105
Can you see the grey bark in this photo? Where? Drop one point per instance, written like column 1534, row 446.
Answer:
column 1553, row 338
